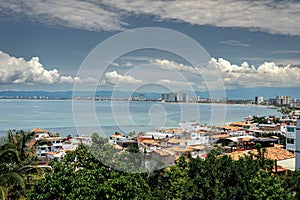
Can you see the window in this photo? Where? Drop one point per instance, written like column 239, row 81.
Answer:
column 290, row 129
column 290, row 141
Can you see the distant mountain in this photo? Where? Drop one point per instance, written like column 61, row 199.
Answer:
column 240, row 93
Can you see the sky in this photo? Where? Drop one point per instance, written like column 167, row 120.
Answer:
column 245, row 45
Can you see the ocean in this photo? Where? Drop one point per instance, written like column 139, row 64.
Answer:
column 108, row 117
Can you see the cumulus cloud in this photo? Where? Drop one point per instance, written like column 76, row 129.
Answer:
column 19, row 71
column 176, row 83
column 66, row 79
column 115, row 78
column 267, row 74
column 271, row 16
column 171, row 65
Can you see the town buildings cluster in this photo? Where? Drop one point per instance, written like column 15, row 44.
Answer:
column 193, row 139
column 278, row 101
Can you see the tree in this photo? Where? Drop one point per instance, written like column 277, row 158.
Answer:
column 80, row 175
column 293, row 184
column 18, row 169
column 265, row 186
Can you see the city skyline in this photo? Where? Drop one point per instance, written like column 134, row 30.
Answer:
column 43, row 44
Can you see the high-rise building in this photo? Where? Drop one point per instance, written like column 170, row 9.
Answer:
column 183, row 97
column 283, row 100
column 259, row 100
column 141, row 97
column 169, row 97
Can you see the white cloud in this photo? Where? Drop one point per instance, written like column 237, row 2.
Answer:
column 175, row 83
column 128, row 64
column 66, row 79
column 171, row 65
column 231, row 75
column 114, row 64
column 234, row 43
column 271, row 16
column 115, row 78
column 267, row 74
column 71, row 13
column 19, row 71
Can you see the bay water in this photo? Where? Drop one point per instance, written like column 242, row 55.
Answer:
column 123, row 116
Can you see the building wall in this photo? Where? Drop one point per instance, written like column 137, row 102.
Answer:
column 298, row 144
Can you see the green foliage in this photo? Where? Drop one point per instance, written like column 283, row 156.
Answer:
column 18, row 169
column 80, row 176
column 259, row 120
column 265, row 186
column 286, row 110
column 293, row 183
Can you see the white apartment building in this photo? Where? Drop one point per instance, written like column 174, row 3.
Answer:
column 291, row 138
column 298, row 144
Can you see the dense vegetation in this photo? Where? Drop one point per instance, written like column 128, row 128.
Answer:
column 18, row 165
column 81, row 176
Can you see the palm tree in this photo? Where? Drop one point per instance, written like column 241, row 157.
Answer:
column 18, row 168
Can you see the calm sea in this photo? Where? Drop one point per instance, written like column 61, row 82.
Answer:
column 108, row 117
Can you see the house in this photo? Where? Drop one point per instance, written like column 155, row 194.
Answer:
column 40, row 133
column 117, row 137
column 45, row 145
column 200, row 136
column 71, row 144
column 270, row 127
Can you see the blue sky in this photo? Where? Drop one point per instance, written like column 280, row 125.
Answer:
column 253, row 44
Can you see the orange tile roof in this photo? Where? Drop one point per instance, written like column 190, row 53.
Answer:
column 116, row 135
column 150, row 141
column 175, row 130
column 173, row 140
column 276, row 153
column 220, row 136
column 232, row 128
column 178, row 149
column 239, row 124
column 39, row 130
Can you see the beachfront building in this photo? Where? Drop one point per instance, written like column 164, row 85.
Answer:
column 259, row 100
column 283, row 100
column 280, row 101
column 169, row 97
column 183, row 97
